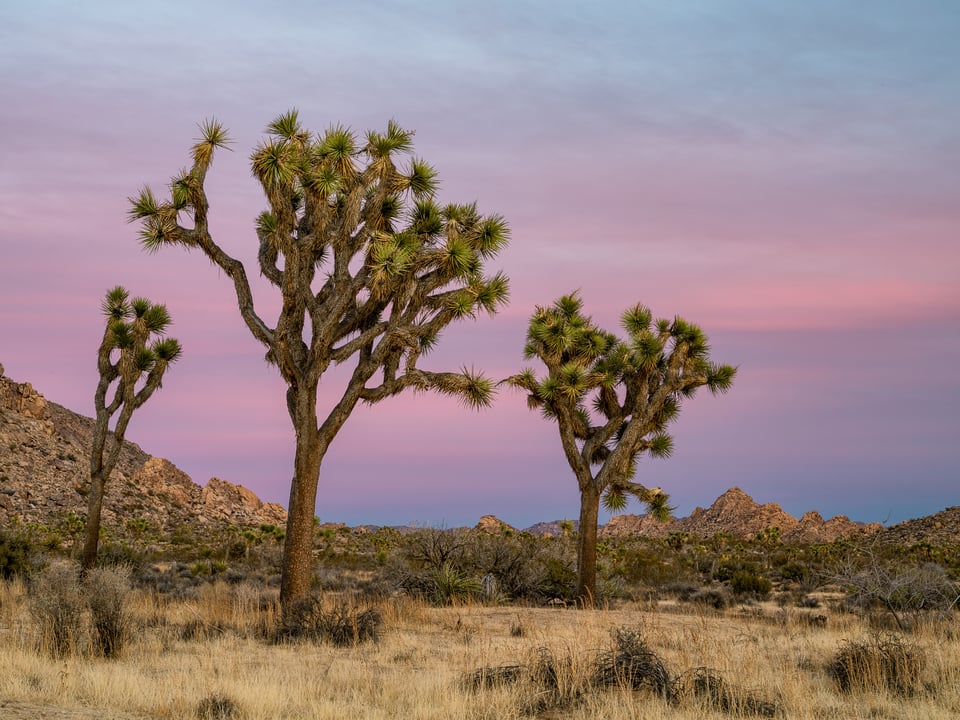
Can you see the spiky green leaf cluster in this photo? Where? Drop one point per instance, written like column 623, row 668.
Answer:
column 133, row 348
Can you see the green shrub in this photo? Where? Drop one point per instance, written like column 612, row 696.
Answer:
column 745, row 582
column 794, row 572
column 16, row 556
column 452, row 585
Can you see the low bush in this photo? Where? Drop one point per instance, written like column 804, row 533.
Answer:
column 16, row 556
column 107, row 590
column 717, row 598
column 57, row 602
column 745, row 582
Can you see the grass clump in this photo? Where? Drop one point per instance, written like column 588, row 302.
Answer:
column 218, row 707
column 107, row 590
column 632, row 664
column 57, row 604
column 77, row 616
column 342, row 625
column 708, row 688
column 881, row 663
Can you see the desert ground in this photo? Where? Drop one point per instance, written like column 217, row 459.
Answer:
column 212, row 656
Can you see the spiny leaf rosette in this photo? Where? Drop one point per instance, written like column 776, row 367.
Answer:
column 370, row 267
column 132, row 360
column 613, row 400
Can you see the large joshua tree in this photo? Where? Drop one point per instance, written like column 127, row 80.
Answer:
column 370, row 269
column 131, row 361
column 612, row 400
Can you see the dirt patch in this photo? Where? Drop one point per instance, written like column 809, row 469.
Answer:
column 12, row 710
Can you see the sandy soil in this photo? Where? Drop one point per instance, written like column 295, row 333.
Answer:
column 10, row 710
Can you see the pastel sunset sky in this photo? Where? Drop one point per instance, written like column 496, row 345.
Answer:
column 785, row 174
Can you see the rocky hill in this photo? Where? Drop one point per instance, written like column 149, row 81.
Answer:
column 941, row 528
column 738, row 514
column 45, row 456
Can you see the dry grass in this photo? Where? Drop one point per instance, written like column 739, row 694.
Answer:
column 207, row 657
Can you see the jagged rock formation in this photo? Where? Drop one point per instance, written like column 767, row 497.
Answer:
column 45, row 456
column 738, row 514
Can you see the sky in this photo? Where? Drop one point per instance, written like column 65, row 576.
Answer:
column 786, row 175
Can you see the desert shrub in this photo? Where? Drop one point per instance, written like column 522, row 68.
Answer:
column 745, row 582
column 107, row 589
column 683, row 591
column 452, row 585
column 432, row 548
column 808, row 601
column 513, row 562
column 175, row 580
column 877, row 664
column 342, row 625
column 714, row 597
column 112, row 553
column 56, row 602
column 708, row 688
column 16, row 556
column 632, row 664
column 901, row 589
column 218, row 707
column 794, row 572
column 559, row 578
column 646, row 565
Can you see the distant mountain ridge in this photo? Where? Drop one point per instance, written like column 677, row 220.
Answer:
column 44, row 453
column 737, row 514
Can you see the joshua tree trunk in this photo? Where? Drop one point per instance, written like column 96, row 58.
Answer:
column 587, row 547
column 298, row 545
column 88, row 556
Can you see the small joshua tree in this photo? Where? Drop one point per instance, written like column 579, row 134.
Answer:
column 132, row 362
column 612, row 401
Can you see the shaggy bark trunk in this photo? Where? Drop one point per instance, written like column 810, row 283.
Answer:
column 88, row 556
column 587, row 547
column 298, row 546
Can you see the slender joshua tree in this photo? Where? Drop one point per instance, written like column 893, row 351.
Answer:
column 370, row 270
column 612, row 400
column 132, row 362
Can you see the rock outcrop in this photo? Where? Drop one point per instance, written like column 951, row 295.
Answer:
column 238, row 505
column 736, row 513
column 493, row 525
